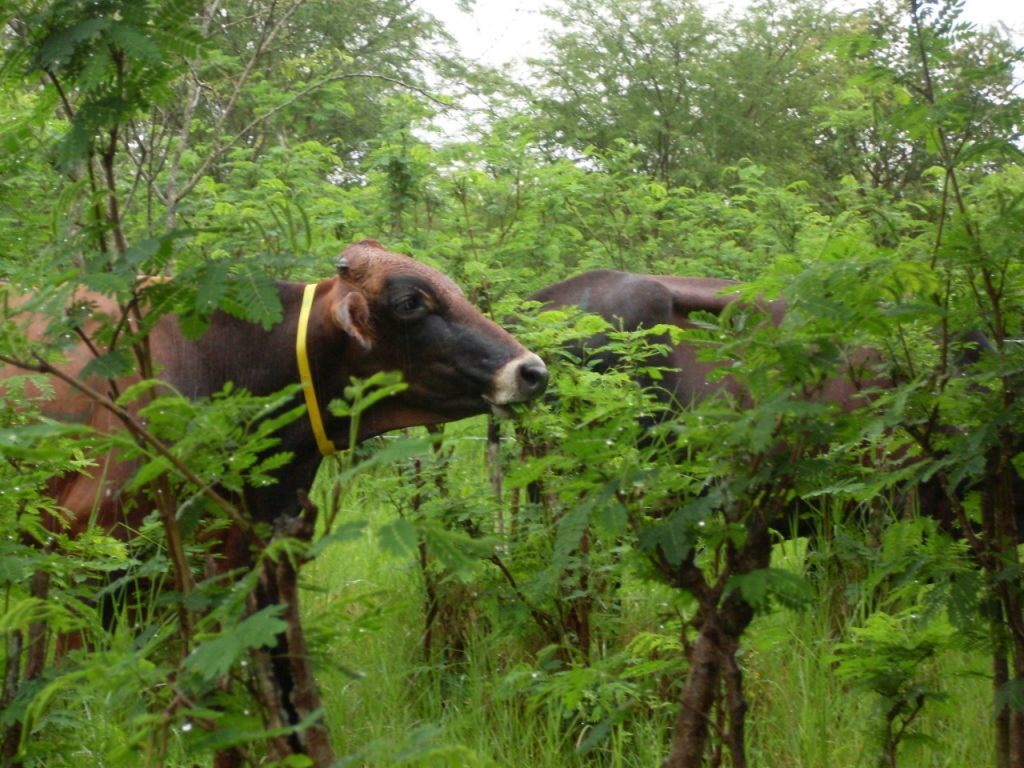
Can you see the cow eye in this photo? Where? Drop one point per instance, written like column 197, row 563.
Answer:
column 409, row 305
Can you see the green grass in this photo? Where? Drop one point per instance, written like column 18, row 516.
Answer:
column 387, row 707
column 399, row 711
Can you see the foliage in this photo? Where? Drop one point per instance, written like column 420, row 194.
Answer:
column 864, row 167
column 892, row 656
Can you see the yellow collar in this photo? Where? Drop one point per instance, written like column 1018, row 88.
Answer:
column 316, row 421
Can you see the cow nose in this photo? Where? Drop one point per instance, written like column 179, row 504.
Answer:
column 533, row 377
column 519, row 380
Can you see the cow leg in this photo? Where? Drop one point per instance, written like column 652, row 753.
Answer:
column 285, row 681
column 305, row 696
column 12, row 734
column 282, row 680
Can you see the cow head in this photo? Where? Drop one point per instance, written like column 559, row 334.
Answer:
column 398, row 314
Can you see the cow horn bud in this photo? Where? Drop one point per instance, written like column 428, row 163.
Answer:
column 342, row 266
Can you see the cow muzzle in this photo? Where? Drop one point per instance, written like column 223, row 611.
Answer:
column 519, row 380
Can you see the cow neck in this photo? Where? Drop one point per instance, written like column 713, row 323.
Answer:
column 324, row 443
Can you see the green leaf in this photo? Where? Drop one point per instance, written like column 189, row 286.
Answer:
column 133, row 392
column 149, row 471
column 363, row 393
column 570, row 531
column 1010, row 695
column 136, row 44
column 111, row 365
column 212, row 286
column 214, row 657
column 668, row 537
column 598, row 733
column 152, row 256
column 456, row 551
column 59, row 47
column 758, row 588
column 253, row 296
column 394, row 451
column 399, row 537
column 342, row 532
column 611, row 518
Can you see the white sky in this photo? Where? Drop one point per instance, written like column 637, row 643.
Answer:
column 503, row 31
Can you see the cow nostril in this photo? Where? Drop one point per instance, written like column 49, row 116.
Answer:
column 534, row 376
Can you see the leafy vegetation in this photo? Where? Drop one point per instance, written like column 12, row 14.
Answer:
column 775, row 579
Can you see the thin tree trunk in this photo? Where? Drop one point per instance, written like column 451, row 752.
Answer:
column 737, row 705
column 691, row 733
column 12, row 673
column 1000, row 677
column 495, row 473
column 997, row 625
column 1010, row 585
column 713, row 655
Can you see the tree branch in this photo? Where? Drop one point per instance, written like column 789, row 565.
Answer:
column 142, row 435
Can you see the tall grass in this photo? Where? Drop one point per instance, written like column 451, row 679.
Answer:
column 387, row 706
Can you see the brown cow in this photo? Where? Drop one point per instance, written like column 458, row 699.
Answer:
column 635, row 301
column 381, row 312
column 631, row 302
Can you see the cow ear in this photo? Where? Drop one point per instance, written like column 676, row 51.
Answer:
column 352, row 315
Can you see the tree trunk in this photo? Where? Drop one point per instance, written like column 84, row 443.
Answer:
column 737, row 704
column 691, row 734
column 1000, row 677
column 12, row 673
column 723, row 619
